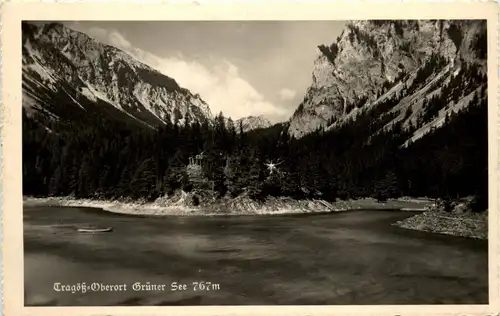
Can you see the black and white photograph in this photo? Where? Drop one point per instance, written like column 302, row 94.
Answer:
column 255, row 163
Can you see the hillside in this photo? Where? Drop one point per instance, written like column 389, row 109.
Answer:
column 68, row 76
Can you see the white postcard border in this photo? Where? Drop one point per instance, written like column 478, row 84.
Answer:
column 14, row 12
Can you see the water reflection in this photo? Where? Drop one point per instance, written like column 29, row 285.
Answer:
column 343, row 258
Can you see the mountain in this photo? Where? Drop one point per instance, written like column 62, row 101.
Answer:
column 252, row 122
column 376, row 91
column 69, row 76
column 404, row 74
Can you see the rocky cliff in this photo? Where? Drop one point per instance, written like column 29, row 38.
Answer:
column 404, row 62
column 69, row 75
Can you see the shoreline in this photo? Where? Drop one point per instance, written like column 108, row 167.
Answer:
column 469, row 225
column 232, row 207
column 466, row 224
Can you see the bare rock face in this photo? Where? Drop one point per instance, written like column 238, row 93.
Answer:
column 62, row 64
column 251, row 122
column 369, row 57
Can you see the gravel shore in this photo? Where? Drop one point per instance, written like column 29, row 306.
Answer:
column 464, row 224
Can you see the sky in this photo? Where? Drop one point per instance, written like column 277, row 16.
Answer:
column 241, row 68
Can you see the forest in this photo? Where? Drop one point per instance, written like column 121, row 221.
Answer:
column 107, row 160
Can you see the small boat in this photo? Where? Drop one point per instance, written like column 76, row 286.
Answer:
column 95, row 230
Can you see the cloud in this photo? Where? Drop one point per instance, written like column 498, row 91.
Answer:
column 119, row 41
column 219, row 83
column 287, row 94
column 97, row 32
column 112, row 37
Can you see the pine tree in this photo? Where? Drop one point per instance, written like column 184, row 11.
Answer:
column 254, row 177
column 56, row 182
column 234, row 176
column 143, row 180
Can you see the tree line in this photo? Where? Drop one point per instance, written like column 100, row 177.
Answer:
column 108, row 160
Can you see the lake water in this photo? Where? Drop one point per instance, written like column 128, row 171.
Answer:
column 353, row 257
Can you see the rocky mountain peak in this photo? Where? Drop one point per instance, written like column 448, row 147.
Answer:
column 253, row 122
column 371, row 57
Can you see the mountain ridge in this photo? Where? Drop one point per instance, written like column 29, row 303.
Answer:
column 73, row 68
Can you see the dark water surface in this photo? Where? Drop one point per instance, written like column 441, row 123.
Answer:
column 339, row 258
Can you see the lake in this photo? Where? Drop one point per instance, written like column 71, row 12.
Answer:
column 353, row 257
